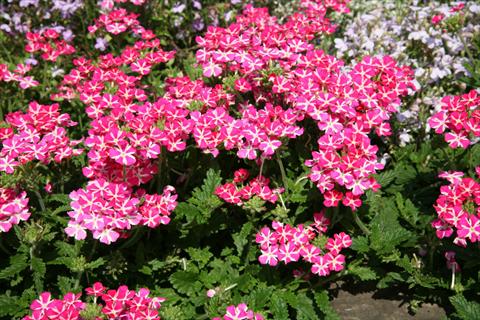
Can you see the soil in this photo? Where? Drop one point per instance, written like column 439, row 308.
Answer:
column 369, row 304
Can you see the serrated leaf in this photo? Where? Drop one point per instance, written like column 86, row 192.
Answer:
column 302, row 304
column 279, row 307
column 95, row 264
column 323, row 303
column 407, row 210
column 203, row 201
column 39, row 269
column 60, row 209
column 389, row 278
column 466, row 310
column 404, row 174
column 240, row 239
column 363, row 273
column 69, row 250
column 386, row 177
column 65, row 284
column 200, row 256
column 8, row 305
column 17, row 264
column 185, row 282
column 60, row 197
column 259, row 297
column 386, row 231
column 360, row 244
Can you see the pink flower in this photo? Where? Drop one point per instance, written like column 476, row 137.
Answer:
column 123, row 154
column 436, row 19
column 211, row 293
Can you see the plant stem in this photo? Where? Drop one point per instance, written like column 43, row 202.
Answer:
column 467, row 49
column 261, row 167
column 360, row 224
column 40, row 200
column 281, row 200
column 282, row 171
column 452, row 285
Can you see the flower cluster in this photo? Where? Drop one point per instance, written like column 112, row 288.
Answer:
column 16, row 15
column 122, row 303
column 458, row 208
column 287, row 244
column 458, row 118
column 356, row 103
column 236, row 192
column 46, row 308
column 39, row 134
column 240, row 312
column 118, row 21
column 49, row 43
column 18, row 75
column 13, row 208
column 106, row 209
column 124, row 138
column 278, row 66
column 109, row 4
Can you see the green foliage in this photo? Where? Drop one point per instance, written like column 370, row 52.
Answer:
column 464, row 309
column 200, row 206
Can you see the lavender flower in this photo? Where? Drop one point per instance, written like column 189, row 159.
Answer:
column 229, row 15
column 31, row 61
column 198, row 23
column 68, row 35
column 197, row 4
column 101, row 44
column 67, row 7
column 26, row 3
column 178, row 8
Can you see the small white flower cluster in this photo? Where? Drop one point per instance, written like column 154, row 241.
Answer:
column 405, row 31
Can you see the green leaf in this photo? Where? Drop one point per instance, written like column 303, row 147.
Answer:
column 65, row 284
column 386, row 231
column 302, row 304
column 404, row 174
column 17, row 264
column 388, row 279
column 386, row 177
column 203, row 201
column 190, row 212
column 200, row 256
column 323, row 303
column 364, row 273
column 185, row 282
column 240, row 239
column 39, row 269
column 60, row 209
column 254, row 205
column 466, row 310
column 278, row 307
column 59, row 197
column 69, row 250
column 360, row 244
column 8, row 304
column 407, row 210
column 95, row 264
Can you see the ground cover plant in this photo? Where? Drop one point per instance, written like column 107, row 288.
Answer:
column 231, row 160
